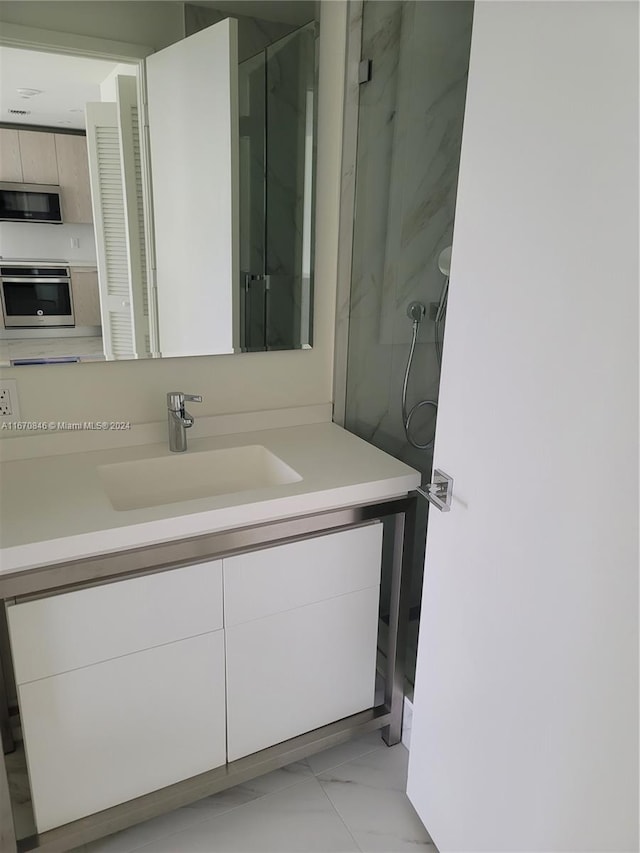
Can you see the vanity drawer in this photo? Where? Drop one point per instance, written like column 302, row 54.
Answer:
column 104, row 734
column 75, row 629
column 284, row 577
column 295, row 671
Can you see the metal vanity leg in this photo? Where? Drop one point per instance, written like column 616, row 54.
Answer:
column 6, row 736
column 7, row 828
column 8, row 744
column 403, row 543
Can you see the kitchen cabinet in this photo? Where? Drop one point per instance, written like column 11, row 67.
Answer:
column 10, row 163
column 38, row 157
column 73, row 177
column 86, row 296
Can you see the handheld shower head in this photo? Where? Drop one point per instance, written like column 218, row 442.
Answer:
column 444, row 261
column 444, row 265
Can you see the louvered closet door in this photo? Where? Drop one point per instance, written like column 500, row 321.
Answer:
column 129, row 132
column 109, row 216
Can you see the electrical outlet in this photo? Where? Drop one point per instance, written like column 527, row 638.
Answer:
column 6, row 407
column 9, row 408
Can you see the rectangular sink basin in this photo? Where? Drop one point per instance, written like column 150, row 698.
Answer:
column 186, row 476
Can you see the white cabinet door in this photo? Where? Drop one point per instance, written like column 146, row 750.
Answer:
column 295, row 671
column 301, row 652
column 192, row 89
column 104, row 734
column 525, row 724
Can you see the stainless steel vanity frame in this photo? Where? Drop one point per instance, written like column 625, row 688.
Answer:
column 387, row 717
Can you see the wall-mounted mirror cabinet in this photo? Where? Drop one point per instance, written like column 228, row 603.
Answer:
column 162, row 208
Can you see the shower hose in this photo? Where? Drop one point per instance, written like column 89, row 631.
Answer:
column 416, row 312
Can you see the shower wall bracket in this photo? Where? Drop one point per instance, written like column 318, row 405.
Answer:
column 364, row 71
column 439, row 491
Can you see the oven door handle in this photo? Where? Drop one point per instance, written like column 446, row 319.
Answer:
column 35, row 280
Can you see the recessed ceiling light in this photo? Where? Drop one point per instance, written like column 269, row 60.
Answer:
column 29, row 93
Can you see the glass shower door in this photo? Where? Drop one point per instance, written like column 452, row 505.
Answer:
column 277, row 120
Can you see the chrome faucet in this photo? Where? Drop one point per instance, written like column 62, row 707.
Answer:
column 179, row 419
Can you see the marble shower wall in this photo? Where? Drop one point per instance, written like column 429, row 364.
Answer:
column 409, row 137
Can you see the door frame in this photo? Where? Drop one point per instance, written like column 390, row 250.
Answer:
column 347, row 207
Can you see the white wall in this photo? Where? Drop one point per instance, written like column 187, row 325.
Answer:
column 109, row 86
column 20, row 239
column 136, row 390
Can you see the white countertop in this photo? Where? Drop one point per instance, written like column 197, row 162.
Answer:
column 91, row 263
column 54, row 508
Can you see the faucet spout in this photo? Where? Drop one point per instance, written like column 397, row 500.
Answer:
column 179, row 419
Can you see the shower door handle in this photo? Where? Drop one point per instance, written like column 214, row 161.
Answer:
column 440, row 491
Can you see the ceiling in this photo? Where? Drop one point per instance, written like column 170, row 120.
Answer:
column 66, row 83
column 296, row 12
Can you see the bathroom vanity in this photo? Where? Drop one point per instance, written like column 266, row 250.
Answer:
column 165, row 652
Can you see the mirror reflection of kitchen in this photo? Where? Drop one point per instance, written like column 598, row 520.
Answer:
column 50, row 291
column 76, row 282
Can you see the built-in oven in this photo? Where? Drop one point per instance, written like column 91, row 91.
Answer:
column 36, row 296
column 30, row 203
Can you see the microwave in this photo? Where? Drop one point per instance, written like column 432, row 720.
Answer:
column 30, row 203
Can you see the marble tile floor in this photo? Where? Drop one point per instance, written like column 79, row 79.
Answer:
column 348, row 798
